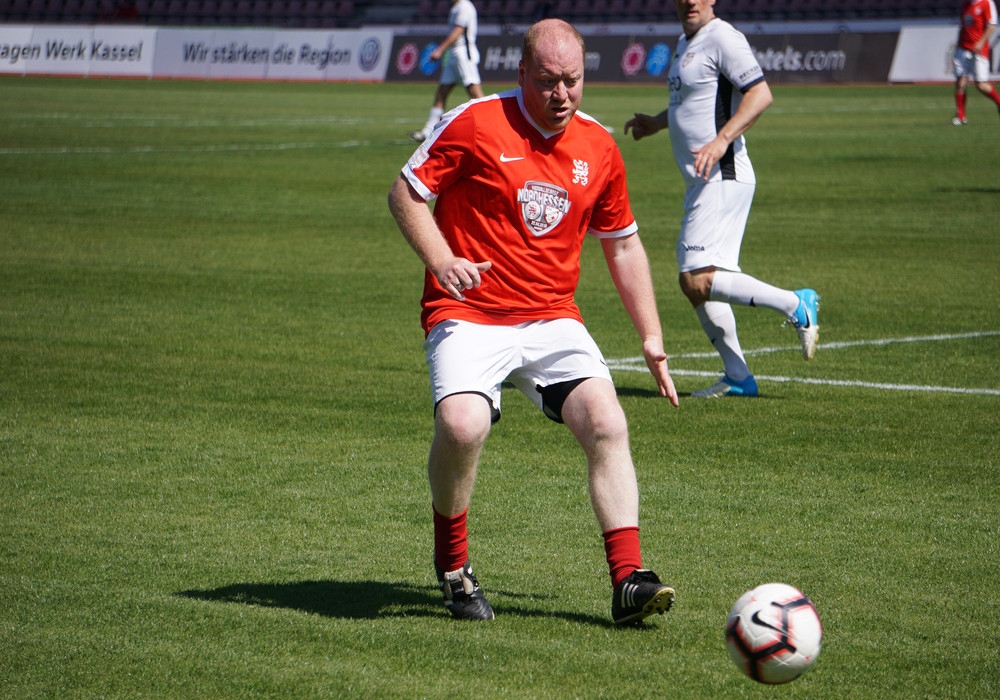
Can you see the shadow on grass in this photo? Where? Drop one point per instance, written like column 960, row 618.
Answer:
column 638, row 392
column 654, row 394
column 366, row 600
column 968, row 190
column 648, row 393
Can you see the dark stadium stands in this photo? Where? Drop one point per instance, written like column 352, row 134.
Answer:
column 348, row 13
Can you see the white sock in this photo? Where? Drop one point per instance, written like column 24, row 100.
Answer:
column 433, row 118
column 717, row 319
column 744, row 290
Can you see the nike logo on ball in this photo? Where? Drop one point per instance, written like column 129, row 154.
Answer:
column 508, row 159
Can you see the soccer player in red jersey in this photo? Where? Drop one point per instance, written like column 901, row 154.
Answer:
column 520, row 179
column 972, row 54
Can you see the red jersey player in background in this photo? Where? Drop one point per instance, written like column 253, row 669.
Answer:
column 521, row 178
column 972, row 55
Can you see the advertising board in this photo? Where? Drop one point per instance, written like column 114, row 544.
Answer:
column 76, row 50
column 786, row 58
column 920, row 53
column 195, row 53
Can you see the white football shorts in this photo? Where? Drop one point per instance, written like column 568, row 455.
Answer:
column 972, row 65
column 459, row 67
column 715, row 217
column 465, row 357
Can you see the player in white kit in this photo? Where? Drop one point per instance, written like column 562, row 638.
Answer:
column 717, row 92
column 461, row 62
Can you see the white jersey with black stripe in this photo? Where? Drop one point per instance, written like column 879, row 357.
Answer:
column 463, row 14
column 708, row 75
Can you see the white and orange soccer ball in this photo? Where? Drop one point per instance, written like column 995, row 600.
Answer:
column 773, row 633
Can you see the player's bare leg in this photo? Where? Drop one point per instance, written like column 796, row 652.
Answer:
column 594, row 416
column 596, row 419
column 461, row 426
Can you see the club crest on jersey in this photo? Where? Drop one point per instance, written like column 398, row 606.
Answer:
column 542, row 206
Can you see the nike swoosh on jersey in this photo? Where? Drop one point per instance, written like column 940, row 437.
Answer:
column 508, row 159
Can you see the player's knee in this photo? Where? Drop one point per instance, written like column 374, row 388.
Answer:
column 696, row 286
column 594, row 414
column 692, row 295
column 606, row 424
column 463, row 420
column 610, row 426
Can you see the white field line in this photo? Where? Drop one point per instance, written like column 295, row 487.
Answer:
column 166, row 121
column 207, row 148
column 638, row 364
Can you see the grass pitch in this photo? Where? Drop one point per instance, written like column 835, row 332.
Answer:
column 214, row 413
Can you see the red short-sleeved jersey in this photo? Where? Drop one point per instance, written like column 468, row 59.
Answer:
column 977, row 15
column 510, row 193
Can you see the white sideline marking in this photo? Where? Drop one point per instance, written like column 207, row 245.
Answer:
column 207, row 148
column 158, row 121
column 638, row 364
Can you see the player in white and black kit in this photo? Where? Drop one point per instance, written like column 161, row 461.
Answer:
column 461, row 62
column 717, row 92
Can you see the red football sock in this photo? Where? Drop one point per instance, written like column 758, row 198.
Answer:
column 451, row 541
column 624, row 554
column 960, row 105
column 992, row 94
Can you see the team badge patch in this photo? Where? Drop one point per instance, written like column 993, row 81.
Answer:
column 542, row 206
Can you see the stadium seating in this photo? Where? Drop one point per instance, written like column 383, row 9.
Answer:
column 353, row 13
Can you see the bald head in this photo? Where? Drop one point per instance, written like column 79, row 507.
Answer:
column 549, row 30
column 551, row 73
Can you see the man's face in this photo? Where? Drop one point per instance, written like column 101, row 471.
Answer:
column 694, row 14
column 552, row 82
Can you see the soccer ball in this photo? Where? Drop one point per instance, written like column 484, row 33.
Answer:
column 773, row 633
